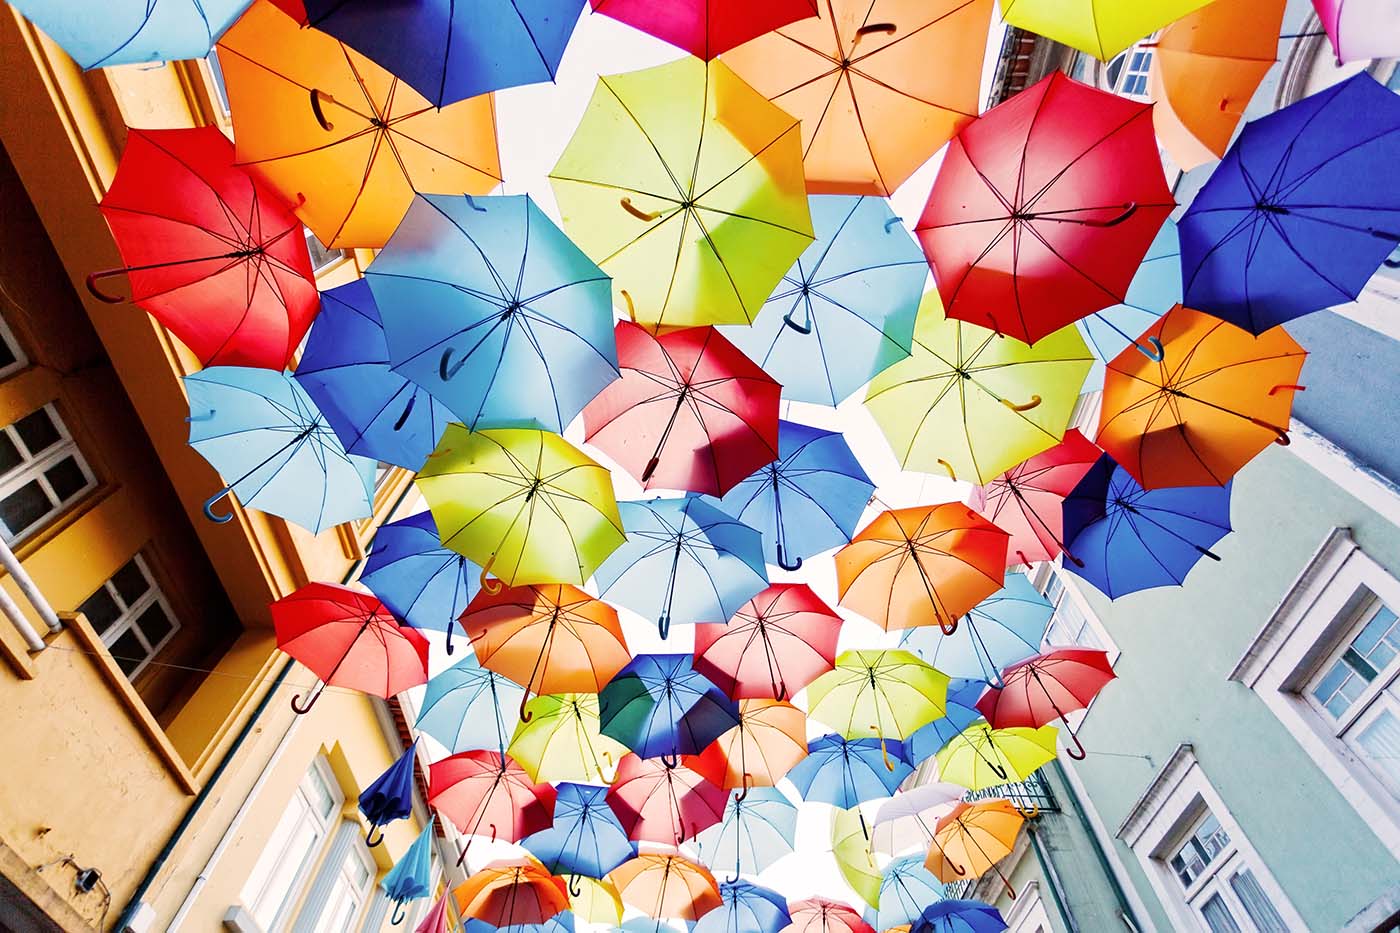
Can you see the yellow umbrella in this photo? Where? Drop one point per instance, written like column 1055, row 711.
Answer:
column 560, row 740
column 850, row 843
column 1102, row 28
column 597, row 902
column 980, row 756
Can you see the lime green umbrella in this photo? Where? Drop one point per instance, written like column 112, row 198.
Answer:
column 889, row 694
column 850, row 843
column 980, row 756
column 1102, row 28
column 560, row 740
column 525, row 505
column 685, row 185
column 975, row 404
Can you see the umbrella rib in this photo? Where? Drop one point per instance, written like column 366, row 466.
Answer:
column 486, row 259
column 680, row 191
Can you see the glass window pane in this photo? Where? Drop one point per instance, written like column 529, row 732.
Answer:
column 128, row 652
column 1218, row 916
column 101, row 610
column 130, row 582
column 1380, row 743
column 1256, row 903
column 25, row 507
column 155, row 624
column 1213, row 837
column 10, row 457
column 322, row 799
column 1328, row 685
column 1337, row 706
column 66, row 478
column 273, row 847
column 297, row 853
column 37, row 431
column 1358, row 663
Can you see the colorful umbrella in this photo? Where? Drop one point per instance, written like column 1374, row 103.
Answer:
column 905, row 891
column 486, row 793
column 1004, row 628
column 685, row 186
column 511, row 893
column 1155, row 287
column 850, row 846
column 1300, row 212
column 706, row 28
column 961, row 711
column 979, row 757
column 130, row 31
column 807, row 500
column 1132, row 539
column 597, row 900
column 449, row 51
column 960, row 916
column 689, row 412
column 745, row 908
column 907, row 820
column 389, row 797
column 846, row 772
column 667, row 886
column 684, row 560
column 819, row 915
column 973, row 403
column 348, row 639
column 1044, row 207
column 423, row 583
column 776, row 644
column 411, row 876
column 1218, row 397
column 561, row 740
column 210, row 251
column 585, row 838
column 261, row 427
column 435, row 920
column 488, row 306
column 468, row 708
column 1360, row 29
column 1044, row 688
column 1101, row 29
column 660, row 707
column 921, row 566
column 341, row 139
column 860, row 80
column 759, row 827
column 973, row 838
column 770, row 738
column 845, row 310
column 523, row 504
column 662, row 804
column 887, row 693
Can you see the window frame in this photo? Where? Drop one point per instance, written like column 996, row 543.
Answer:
column 7, row 336
column 356, row 854
column 1028, row 913
column 126, row 620
column 1043, row 577
column 33, row 469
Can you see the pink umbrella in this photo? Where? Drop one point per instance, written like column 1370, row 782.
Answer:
column 1042, row 689
column 819, row 915
column 778, row 643
column 1361, row 29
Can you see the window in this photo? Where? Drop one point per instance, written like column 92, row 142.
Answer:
column 216, row 83
column 1085, row 414
column 1073, row 625
column 132, row 615
column 1027, row 914
column 321, row 257
column 1127, row 74
column 1214, row 879
column 351, row 888
column 290, row 851
column 41, row 473
column 12, row 358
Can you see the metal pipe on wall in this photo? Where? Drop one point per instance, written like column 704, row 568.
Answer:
column 26, row 631
column 27, row 586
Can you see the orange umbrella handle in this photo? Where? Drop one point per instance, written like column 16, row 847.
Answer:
column 1281, row 386
column 638, row 213
column 491, row 586
column 1026, row 406
column 317, row 96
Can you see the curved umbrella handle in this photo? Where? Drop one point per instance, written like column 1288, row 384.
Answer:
column 1280, row 435
column 884, row 753
column 1025, row 406
column 888, row 28
column 444, row 371
column 746, row 782
column 782, row 690
column 1010, row 891
column 398, row 916
column 407, row 410
column 782, row 560
column 1281, row 386
column 671, row 761
column 1129, row 210
column 471, row 202
column 631, row 308
column 957, row 869
column 94, row 277
column 525, row 714
column 490, row 586
column 369, row 836
column 1156, row 354
column 1030, row 814
column 949, row 627
column 212, row 501
column 949, row 467
column 574, row 889
column 663, row 625
column 318, row 95
column 450, row 647
column 637, row 212
column 300, row 708
column 892, row 221
column 801, row 329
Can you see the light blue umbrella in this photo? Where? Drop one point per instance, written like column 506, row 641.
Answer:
column 845, row 311
column 847, row 772
column 807, row 500
column 1004, row 628
column 960, row 712
column 906, row 891
column 468, row 708
column 757, row 829
column 1154, row 290
column 260, row 426
column 745, row 908
column 424, row 584
column 585, row 838
column 122, row 32
column 493, row 310
column 684, row 560
column 559, row 923
column 411, row 877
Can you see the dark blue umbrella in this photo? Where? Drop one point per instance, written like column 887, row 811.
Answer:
column 1301, row 211
column 585, row 839
column 390, row 797
column 122, row 32
column 1132, row 539
column 375, row 412
column 807, row 500
column 745, row 908
column 449, row 50
column 660, row 706
column 960, row 712
column 955, row 916
column 846, row 772
column 423, row 583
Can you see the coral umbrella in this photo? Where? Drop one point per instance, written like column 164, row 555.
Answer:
column 1155, row 288
column 486, row 793
column 907, row 888
column 1360, row 29
column 776, row 644
column 888, row 693
column 1004, row 628
column 1218, row 397
column 979, row 757
column 758, row 829
column 511, row 893
column 425, row 584
column 820, row 915
column 660, row 707
column 960, row 916
column 769, row 740
column 585, row 838
column 746, row 907
column 847, row 772
column 689, row 412
column 973, row 838
column 661, row 804
column 922, row 566
column 907, row 820
column 1044, row 207
column 1044, row 688
column 1025, row 501
column 467, row 707
column 858, row 78
column 972, row 403
column 562, row 742
column 685, row 186
column 706, row 28
column 339, row 138
column 1101, row 28
column 126, row 32
column 348, row 639
column 210, row 251
column 667, row 886
column 855, row 860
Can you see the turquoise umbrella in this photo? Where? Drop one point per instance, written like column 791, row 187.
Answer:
column 757, row 829
column 906, row 891
column 411, row 878
column 123, row 32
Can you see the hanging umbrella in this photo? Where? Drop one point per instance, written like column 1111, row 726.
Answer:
column 690, row 411
column 261, row 428
column 973, row 838
column 1218, row 397
column 339, row 138
column 759, row 827
column 921, row 566
column 469, row 708
column 1026, row 501
column 776, row 644
column 511, row 893
column 585, row 838
column 1155, row 287
column 1300, row 213
column 1360, row 29
column 705, row 28
column 423, row 583
column 850, row 846
column 745, row 908
column 685, row 186
column 769, row 740
column 1004, row 628
column 667, row 886
column 961, row 711
column 597, row 900
column 411, row 876
column 210, row 252
column 130, row 31
column 661, row 804
column 1098, row 28
column 523, row 504
column 845, row 310
column 820, row 915
column 660, row 707
column 980, row 757
column 559, row 923
column 807, row 500
column 846, row 772
column 451, row 51
column 972, row 403
column 348, row 639
column 436, row 919
column 1044, row 688
column 907, row 820
column 389, row 797
column 486, row 793
column 906, row 890
column 860, row 80
column 960, row 916
column 375, row 412
column 1044, row 207
column 887, row 693
column 561, row 740
column 684, row 560
column 1134, row 539
column 488, row 306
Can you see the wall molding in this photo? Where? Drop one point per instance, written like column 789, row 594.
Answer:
column 1150, row 801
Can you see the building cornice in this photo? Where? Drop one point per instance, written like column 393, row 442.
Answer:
column 1143, row 810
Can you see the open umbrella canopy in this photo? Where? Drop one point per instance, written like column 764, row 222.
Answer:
column 467, row 707
column 847, row 772
column 511, row 893
column 585, row 838
column 705, row 28
column 971, row 839
column 960, row 916
column 845, row 310
column 488, row 794
column 1004, row 628
column 1044, row 206
column 770, row 738
column 667, row 886
column 411, row 877
column 425, row 584
column 561, row 740
column 820, row 915
column 980, row 757
column 597, row 900
column 885, row 693
column 1044, row 688
column 1155, row 288
column 130, row 31
column 855, row 860
column 906, row 890
column 389, row 797
column 1101, row 28
column 661, row 804
column 1360, row 29
column 776, row 644
column 685, row 186
column 907, row 820
column 759, row 827
column 745, row 908
column 660, row 706
column 959, row 713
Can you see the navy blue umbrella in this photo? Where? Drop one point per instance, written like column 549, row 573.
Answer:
column 586, row 837
column 660, row 706
column 423, row 583
column 390, row 797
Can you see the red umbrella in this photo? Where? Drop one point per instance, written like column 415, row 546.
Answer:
column 655, row 803
column 1026, row 500
column 819, row 915
column 1039, row 690
column 211, row 253
column 348, row 639
column 487, row 793
column 706, row 28
column 1044, row 207
column 690, row 411
column 778, row 643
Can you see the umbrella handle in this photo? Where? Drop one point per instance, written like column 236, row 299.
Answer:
column 637, row 212
column 782, row 690
column 889, row 28
column 1156, row 354
column 444, row 371
column 949, row 628
column 957, row 869
column 574, row 891
column 889, row 765
column 746, row 782
column 491, row 586
column 1077, row 753
column 631, row 308
column 1010, row 891
column 1208, row 553
column 801, row 329
column 891, row 222
column 471, row 202
column 407, row 410
column 212, row 501
column 1025, row 406
column 462, row 857
column 949, row 467
column 318, row 95
column 525, row 714
column 1030, row 814
column 369, row 836
column 450, row 646
column 94, row 277
column 300, row 708
column 1280, row 435
column 663, row 625
column 782, row 560
column 398, row 916
column 1281, row 386
column 652, row 464
column 671, row 761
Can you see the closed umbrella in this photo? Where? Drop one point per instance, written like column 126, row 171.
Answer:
column 758, row 828
column 1004, row 628
column 411, row 876
column 389, row 797
column 131, row 31
column 776, row 644
column 467, row 707
column 426, row 585
column 705, row 28
column 1044, row 688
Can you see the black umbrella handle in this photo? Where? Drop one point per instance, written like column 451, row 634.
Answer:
column 318, row 95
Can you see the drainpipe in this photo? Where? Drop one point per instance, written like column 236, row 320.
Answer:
column 1052, row 878
column 26, row 631
column 1125, row 909
column 26, row 586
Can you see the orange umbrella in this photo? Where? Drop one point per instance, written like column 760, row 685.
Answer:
column 666, row 886
column 340, row 138
column 1216, row 398
column 970, row 840
column 922, row 566
column 878, row 90
column 511, row 893
column 1207, row 67
column 770, row 738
